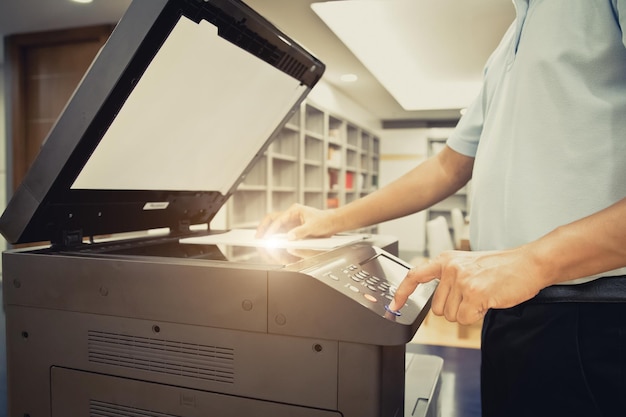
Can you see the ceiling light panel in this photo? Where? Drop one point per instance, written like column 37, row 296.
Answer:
column 429, row 54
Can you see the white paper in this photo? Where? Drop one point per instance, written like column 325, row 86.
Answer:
column 195, row 120
column 245, row 237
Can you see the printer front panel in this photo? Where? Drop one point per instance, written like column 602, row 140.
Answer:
column 158, row 354
column 77, row 393
column 184, row 291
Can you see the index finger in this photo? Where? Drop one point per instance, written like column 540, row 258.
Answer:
column 279, row 224
column 262, row 228
column 415, row 276
column 273, row 223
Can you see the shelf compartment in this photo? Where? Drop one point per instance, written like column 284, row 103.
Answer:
column 334, row 157
column 284, row 173
column 314, row 120
column 282, row 200
column 366, row 142
column 351, row 196
column 350, row 181
column 314, row 199
column 374, row 182
column 352, row 135
column 332, row 201
column 333, row 177
column 336, row 130
column 352, row 159
column 286, row 143
column 313, row 176
column 248, row 205
column 313, row 148
column 364, row 162
column 375, row 163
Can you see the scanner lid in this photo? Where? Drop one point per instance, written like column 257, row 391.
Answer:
column 178, row 105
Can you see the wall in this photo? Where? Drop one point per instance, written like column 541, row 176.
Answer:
column 334, row 101
column 401, row 151
column 3, row 164
column 3, row 145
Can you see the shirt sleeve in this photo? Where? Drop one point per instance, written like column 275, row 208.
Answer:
column 465, row 137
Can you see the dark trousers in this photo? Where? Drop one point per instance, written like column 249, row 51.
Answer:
column 554, row 359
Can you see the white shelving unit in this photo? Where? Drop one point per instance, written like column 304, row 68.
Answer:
column 460, row 199
column 319, row 159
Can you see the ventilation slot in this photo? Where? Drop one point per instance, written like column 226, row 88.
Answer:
column 102, row 409
column 191, row 360
column 292, row 66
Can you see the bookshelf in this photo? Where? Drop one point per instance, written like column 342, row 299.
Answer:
column 318, row 159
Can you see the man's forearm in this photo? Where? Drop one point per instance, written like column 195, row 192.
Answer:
column 589, row 246
column 425, row 185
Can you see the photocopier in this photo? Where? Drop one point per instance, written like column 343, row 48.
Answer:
column 113, row 308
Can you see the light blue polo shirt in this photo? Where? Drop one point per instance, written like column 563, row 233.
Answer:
column 548, row 129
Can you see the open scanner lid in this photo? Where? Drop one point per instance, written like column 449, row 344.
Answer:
column 178, row 105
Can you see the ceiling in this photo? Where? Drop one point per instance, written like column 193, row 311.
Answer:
column 449, row 40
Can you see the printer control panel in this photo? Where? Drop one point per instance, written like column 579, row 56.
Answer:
column 372, row 282
column 359, row 281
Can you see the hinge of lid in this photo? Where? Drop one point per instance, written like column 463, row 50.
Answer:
column 69, row 239
column 183, row 227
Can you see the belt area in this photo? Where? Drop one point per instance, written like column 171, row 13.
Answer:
column 601, row 290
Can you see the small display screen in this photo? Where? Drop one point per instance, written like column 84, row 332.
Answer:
column 394, row 272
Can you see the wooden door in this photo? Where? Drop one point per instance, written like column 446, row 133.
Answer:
column 44, row 69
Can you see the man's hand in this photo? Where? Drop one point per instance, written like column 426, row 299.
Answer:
column 298, row 222
column 473, row 282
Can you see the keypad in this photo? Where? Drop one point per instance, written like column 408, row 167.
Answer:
column 373, row 288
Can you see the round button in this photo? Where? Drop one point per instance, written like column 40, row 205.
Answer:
column 353, row 288
column 370, row 298
column 333, row 277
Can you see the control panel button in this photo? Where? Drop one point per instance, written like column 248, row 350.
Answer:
column 370, row 298
column 359, row 281
column 333, row 277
